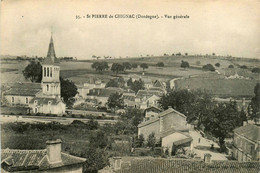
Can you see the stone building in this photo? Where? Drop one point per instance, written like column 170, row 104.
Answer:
column 50, row 159
column 41, row 97
column 247, row 143
column 170, row 129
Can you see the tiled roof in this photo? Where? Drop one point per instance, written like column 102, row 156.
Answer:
column 249, row 131
column 160, row 165
column 21, row 160
column 42, row 100
column 153, row 108
column 178, row 129
column 158, row 84
column 105, row 92
column 148, row 93
column 24, row 89
column 128, row 97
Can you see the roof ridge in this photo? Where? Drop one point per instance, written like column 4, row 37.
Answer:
column 76, row 157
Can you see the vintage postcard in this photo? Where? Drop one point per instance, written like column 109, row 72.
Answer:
column 130, row 86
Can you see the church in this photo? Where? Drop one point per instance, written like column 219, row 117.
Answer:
column 41, row 97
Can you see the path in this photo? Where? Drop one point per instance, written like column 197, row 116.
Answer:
column 203, row 147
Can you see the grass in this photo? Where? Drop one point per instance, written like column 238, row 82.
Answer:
column 220, row 87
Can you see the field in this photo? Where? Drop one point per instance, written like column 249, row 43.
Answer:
column 81, row 71
column 237, row 88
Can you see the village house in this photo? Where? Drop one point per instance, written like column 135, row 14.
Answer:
column 101, row 95
column 50, row 160
column 129, row 98
column 170, row 127
column 147, row 98
column 84, row 89
column 151, row 112
column 246, row 141
column 41, row 97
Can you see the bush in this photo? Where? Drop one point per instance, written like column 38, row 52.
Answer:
column 230, row 66
column 160, row 64
column 256, row 70
column 92, row 124
column 217, row 65
column 185, row 64
column 208, row 67
column 243, row 67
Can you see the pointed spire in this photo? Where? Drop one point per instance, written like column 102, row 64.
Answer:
column 51, row 52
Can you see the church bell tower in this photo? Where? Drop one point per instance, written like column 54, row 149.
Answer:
column 51, row 73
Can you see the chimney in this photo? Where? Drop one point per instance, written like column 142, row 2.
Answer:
column 244, row 102
column 117, row 163
column 54, row 151
column 207, row 158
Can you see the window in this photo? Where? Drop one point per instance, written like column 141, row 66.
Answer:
column 26, row 100
column 44, row 71
column 47, row 87
column 48, row 72
column 49, row 102
column 35, row 110
column 35, row 102
column 12, row 99
column 51, row 71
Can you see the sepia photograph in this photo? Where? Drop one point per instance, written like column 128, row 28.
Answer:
column 113, row 86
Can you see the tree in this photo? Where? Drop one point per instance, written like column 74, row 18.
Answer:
column 185, row 64
column 217, row 64
column 213, row 54
column 68, row 90
column 100, row 66
column 137, row 85
column 92, row 124
column 140, row 140
column 254, row 105
column 135, row 116
column 256, row 70
column 129, row 82
column 151, row 140
column 115, row 100
column 127, row 65
column 33, row 72
column 160, row 64
column 134, row 65
column 209, row 67
column 230, row 66
column 98, row 139
column 194, row 104
column 243, row 66
column 116, row 67
column 96, row 159
column 144, row 66
column 186, row 54
column 112, row 83
column 222, row 121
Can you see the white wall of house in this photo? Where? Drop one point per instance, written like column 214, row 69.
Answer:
column 58, row 109
column 167, row 141
column 14, row 99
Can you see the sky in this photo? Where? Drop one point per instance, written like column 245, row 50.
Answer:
column 225, row 28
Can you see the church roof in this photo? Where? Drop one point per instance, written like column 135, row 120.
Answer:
column 24, row 89
column 51, row 58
